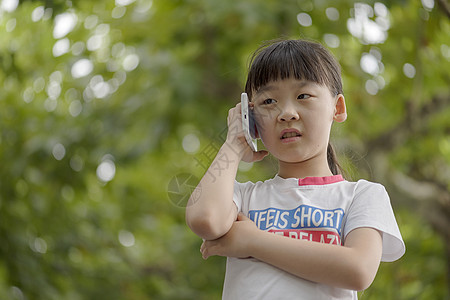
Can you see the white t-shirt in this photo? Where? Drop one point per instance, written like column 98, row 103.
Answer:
column 320, row 209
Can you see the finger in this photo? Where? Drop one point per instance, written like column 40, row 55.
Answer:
column 207, row 252
column 242, row 217
column 234, row 114
column 234, row 110
column 204, row 250
column 202, row 247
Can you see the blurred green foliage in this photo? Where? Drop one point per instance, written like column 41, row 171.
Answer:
column 103, row 103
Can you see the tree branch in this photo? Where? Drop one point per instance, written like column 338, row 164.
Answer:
column 409, row 126
column 445, row 7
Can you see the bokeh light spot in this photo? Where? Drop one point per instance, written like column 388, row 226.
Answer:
column 81, row 68
column 409, row 70
column 106, row 170
column 304, row 19
column 126, row 238
column 64, row 23
column 59, row 151
column 130, row 62
column 191, row 143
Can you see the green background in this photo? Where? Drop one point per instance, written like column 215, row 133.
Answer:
column 89, row 205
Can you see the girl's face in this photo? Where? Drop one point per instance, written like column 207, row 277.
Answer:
column 294, row 119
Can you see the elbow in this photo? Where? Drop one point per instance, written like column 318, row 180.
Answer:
column 206, row 227
column 361, row 278
column 360, row 284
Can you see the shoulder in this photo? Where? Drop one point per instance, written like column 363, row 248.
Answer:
column 364, row 187
column 249, row 185
column 369, row 198
column 362, row 194
column 245, row 191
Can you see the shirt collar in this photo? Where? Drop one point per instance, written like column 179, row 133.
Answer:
column 320, row 180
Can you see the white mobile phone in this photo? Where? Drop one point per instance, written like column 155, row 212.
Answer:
column 248, row 123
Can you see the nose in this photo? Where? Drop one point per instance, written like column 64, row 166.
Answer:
column 288, row 113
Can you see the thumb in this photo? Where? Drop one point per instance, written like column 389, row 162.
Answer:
column 257, row 156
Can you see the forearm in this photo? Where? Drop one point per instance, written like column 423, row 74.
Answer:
column 341, row 266
column 211, row 211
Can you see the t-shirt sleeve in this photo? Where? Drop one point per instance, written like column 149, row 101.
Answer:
column 237, row 196
column 371, row 207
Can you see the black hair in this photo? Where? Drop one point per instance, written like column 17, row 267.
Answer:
column 299, row 59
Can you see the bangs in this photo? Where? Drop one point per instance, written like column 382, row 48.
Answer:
column 299, row 59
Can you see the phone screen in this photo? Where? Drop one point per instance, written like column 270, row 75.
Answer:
column 248, row 122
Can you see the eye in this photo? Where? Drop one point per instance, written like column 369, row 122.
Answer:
column 269, row 101
column 303, row 96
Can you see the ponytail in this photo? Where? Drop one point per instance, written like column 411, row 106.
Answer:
column 333, row 163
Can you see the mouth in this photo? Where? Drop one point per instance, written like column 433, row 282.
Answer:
column 290, row 134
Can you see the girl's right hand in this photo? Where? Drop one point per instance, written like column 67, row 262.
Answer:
column 236, row 139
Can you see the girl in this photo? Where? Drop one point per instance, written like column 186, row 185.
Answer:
column 307, row 233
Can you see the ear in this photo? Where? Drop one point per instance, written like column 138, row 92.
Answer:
column 340, row 111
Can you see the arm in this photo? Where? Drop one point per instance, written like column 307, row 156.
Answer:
column 351, row 266
column 211, row 213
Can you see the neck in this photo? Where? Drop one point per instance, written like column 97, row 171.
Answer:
column 309, row 168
